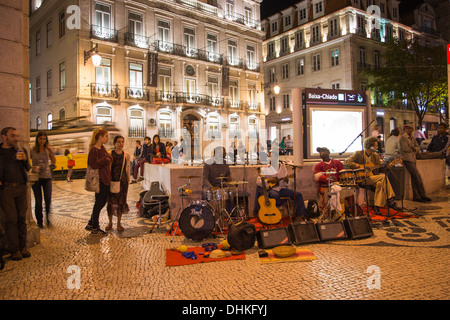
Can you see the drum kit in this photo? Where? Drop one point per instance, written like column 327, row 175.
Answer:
column 347, row 179
column 352, row 177
column 201, row 218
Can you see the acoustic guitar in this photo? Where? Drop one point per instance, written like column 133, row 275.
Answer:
column 370, row 166
column 274, row 182
column 268, row 211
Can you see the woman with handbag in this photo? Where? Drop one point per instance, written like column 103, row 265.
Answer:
column 41, row 156
column 70, row 164
column 120, row 175
column 98, row 176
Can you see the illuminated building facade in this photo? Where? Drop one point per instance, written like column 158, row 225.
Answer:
column 163, row 66
column 326, row 44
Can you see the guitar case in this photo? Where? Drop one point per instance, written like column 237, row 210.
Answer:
column 242, row 236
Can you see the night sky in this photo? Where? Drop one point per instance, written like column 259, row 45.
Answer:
column 269, row 7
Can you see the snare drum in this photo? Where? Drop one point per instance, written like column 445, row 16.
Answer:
column 359, row 174
column 346, row 177
column 197, row 221
column 218, row 194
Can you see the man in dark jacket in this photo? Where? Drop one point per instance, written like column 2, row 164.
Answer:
column 145, row 157
column 14, row 167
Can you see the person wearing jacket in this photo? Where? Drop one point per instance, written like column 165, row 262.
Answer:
column 99, row 158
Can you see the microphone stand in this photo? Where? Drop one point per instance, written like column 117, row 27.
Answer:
column 294, row 167
column 364, row 164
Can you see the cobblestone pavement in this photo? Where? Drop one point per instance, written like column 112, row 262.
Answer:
column 411, row 255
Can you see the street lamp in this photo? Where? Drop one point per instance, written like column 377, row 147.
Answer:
column 93, row 53
column 276, row 89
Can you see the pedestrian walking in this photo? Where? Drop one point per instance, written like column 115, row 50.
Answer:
column 99, row 158
column 289, row 145
column 120, row 171
column 14, row 166
column 70, row 164
column 41, row 156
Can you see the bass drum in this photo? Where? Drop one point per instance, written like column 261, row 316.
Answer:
column 197, row 221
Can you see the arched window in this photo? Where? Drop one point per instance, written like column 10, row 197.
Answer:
column 252, row 127
column 49, row 121
column 38, row 123
column 103, row 114
column 234, row 131
column 165, row 129
column 136, row 127
column 62, row 114
column 213, row 125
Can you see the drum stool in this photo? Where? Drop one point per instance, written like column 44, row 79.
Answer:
column 159, row 199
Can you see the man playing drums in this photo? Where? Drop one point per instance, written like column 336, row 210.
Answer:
column 384, row 194
column 326, row 165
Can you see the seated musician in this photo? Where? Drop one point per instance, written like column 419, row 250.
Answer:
column 213, row 169
column 320, row 172
column 280, row 181
column 326, row 165
column 384, row 194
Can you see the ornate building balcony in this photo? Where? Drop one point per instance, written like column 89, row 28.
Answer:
column 138, row 41
column 106, row 34
column 184, row 51
column 139, row 94
column 105, row 90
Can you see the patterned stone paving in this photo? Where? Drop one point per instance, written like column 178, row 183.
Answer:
column 410, row 255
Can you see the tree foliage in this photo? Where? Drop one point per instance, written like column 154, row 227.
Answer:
column 413, row 72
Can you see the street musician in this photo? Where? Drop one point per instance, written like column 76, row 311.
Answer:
column 370, row 160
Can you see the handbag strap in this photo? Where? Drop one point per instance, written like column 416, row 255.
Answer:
column 123, row 165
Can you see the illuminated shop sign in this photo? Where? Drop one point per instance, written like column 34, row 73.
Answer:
column 345, row 97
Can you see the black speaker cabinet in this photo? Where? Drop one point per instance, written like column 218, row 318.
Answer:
column 270, row 238
column 333, row 230
column 303, row 232
column 358, row 227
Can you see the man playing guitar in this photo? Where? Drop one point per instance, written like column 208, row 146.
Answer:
column 367, row 158
column 277, row 182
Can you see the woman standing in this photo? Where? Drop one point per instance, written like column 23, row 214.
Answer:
column 98, row 158
column 70, row 164
column 120, row 171
column 41, row 156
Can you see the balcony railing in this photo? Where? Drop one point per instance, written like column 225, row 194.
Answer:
column 136, row 40
column 184, row 51
column 182, row 97
column 240, row 18
column 136, row 132
column 137, row 94
column 235, row 104
column 165, row 133
column 233, row 62
column 102, row 33
column 252, row 106
column 252, row 66
column 105, row 90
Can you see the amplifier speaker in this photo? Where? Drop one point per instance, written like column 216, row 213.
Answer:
column 333, row 230
column 303, row 232
column 358, row 227
column 270, row 238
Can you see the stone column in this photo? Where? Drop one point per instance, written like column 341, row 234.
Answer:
column 14, row 81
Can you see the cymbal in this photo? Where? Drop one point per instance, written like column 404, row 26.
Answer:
column 190, row 177
column 236, row 182
column 221, row 177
